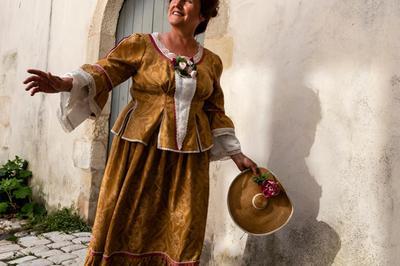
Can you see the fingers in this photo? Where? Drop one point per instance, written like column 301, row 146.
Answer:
column 35, row 90
column 39, row 73
column 254, row 169
column 32, row 78
column 32, row 85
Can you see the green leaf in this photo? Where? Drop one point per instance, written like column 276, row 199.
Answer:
column 3, row 172
column 22, row 192
column 25, row 173
column 3, row 207
column 9, row 184
column 28, row 208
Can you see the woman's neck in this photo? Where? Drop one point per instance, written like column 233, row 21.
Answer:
column 179, row 42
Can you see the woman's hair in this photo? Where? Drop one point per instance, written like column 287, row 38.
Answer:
column 208, row 9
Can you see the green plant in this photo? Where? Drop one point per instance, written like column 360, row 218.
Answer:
column 15, row 193
column 66, row 220
column 12, row 238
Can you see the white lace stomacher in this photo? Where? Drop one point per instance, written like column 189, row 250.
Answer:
column 185, row 89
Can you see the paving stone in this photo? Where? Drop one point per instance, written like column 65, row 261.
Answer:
column 60, row 244
column 73, row 248
column 81, row 240
column 74, row 262
column 81, row 252
column 28, row 238
column 37, row 242
column 6, row 255
column 8, row 248
column 49, row 253
column 57, row 236
column 82, row 234
column 22, row 259
column 21, row 234
column 5, row 242
column 10, row 255
column 34, row 250
column 37, row 262
column 58, row 259
column 52, row 234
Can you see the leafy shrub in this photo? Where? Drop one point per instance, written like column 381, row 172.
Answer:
column 66, row 220
column 15, row 193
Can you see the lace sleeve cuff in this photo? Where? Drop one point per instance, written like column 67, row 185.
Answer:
column 225, row 144
column 78, row 104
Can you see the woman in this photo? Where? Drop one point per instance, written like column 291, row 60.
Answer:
column 153, row 201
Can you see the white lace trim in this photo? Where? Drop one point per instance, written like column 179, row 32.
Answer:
column 170, row 55
column 225, row 144
column 78, row 104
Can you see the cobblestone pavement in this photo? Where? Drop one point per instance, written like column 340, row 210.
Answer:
column 52, row 248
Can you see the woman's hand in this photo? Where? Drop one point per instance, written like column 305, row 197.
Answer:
column 45, row 82
column 243, row 163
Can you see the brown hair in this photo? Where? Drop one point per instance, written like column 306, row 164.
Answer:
column 208, row 9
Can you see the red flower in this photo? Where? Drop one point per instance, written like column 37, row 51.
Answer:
column 270, row 188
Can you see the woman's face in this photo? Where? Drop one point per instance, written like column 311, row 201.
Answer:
column 184, row 14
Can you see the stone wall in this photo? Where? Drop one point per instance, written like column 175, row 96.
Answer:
column 52, row 36
column 313, row 89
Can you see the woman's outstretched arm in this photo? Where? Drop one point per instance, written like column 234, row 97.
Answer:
column 45, row 82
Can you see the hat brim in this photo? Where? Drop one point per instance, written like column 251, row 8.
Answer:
column 254, row 221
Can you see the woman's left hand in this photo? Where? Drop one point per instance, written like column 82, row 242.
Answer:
column 243, row 162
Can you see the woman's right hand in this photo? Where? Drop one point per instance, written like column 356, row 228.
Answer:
column 45, row 82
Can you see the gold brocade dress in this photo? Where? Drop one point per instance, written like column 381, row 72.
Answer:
column 153, row 201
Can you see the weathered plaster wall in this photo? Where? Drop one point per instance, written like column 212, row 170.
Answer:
column 313, row 88
column 52, row 36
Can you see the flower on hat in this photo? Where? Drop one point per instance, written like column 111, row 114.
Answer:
column 269, row 186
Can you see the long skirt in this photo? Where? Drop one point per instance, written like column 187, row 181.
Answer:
column 152, row 207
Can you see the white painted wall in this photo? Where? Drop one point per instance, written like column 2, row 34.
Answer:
column 52, row 36
column 314, row 91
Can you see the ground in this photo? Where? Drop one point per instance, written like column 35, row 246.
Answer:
column 30, row 248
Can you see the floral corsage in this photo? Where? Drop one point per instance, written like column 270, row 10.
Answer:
column 185, row 66
column 269, row 186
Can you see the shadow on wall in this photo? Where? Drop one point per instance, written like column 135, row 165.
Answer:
column 304, row 240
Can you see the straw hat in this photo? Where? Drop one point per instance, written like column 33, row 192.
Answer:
column 254, row 213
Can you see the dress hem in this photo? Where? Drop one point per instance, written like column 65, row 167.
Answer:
column 163, row 255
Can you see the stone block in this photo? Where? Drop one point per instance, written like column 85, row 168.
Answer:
column 74, row 262
column 10, row 255
column 82, row 234
column 32, row 243
column 81, row 240
column 22, row 260
column 73, row 247
column 58, row 259
column 81, row 252
column 34, row 250
column 37, row 262
column 8, row 248
column 60, row 244
column 5, row 242
column 58, row 236
column 49, row 253
column 21, row 234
